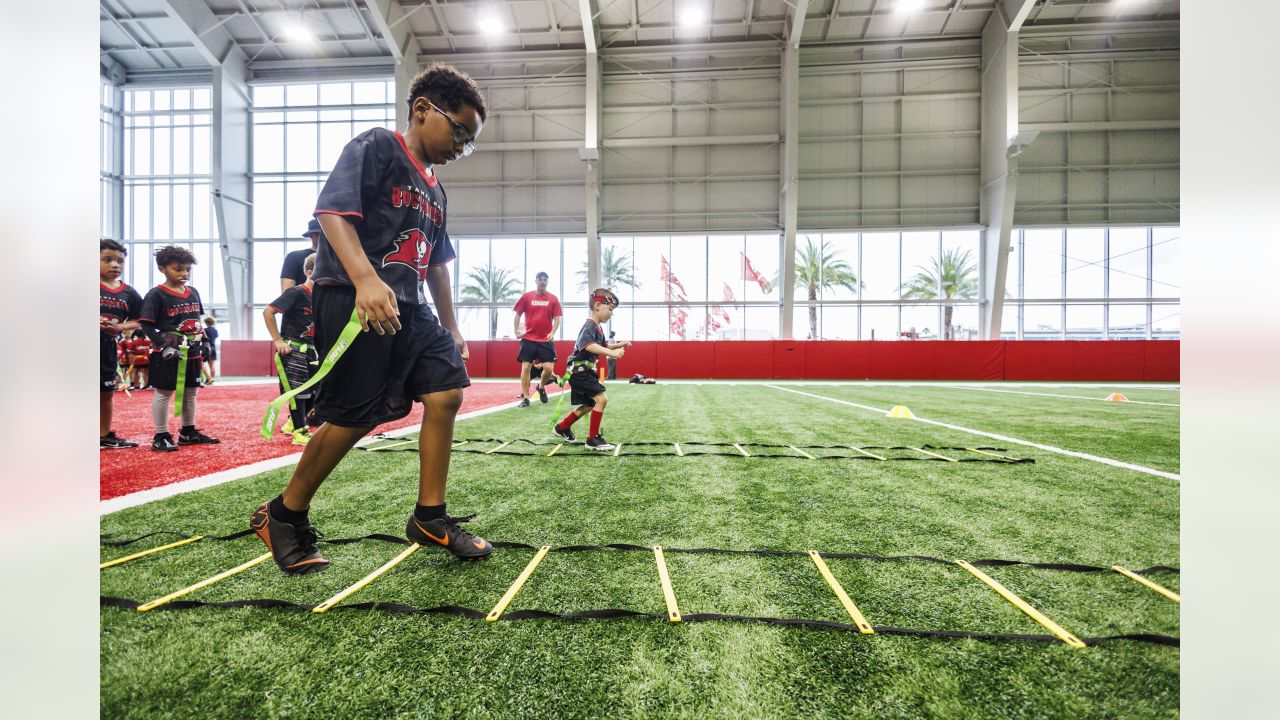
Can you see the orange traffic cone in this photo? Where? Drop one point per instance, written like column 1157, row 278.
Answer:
column 1117, row 397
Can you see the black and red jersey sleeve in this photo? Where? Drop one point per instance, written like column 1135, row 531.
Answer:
column 353, row 183
column 442, row 252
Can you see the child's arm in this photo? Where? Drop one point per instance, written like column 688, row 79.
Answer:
column 598, row 349
column 624, row 343
column 376, row 305
column 442, row 296
column 269, row 317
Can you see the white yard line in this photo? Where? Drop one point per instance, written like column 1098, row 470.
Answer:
column 1074, row 397
column 1001, row 438
column 142, row 497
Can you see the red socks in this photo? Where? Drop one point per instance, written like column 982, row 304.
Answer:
column 596, row 417
column 568, row 420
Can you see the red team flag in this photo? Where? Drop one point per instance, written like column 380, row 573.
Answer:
column 749, row 273
column 676, row 317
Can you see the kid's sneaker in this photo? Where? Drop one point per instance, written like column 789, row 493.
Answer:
column 445, row 532
column 598, row 443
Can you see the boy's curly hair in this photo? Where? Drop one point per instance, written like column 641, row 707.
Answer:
column 170, row 254
column 109, row 244
column 448, row 88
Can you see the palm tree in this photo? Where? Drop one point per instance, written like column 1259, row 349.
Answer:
column 490, row 285
column 818, row 269
column 955, row 274
column 615, row 271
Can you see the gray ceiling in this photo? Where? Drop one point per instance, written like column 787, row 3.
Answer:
column 146, row 36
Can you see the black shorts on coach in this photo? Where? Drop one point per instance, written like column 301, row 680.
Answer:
column 380, row 376
column 541, row 352
column 585, row 386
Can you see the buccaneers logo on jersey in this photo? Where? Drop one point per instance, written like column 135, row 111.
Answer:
column 412, row 251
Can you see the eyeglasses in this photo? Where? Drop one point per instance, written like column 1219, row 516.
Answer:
column 460, row 134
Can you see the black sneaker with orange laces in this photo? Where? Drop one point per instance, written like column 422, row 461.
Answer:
column 445, row 532
column 292, row 546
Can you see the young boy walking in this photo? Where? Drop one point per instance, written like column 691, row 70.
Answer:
column 171, row 317
column 383, row 215
column 118, row 309
column 586, row 390
column 295, row 343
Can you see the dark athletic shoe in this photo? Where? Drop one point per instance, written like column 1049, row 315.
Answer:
column 542, row 393
column 598, row 443
column 195, row 437
column 163, row 442
column 445, row 532
column 111, row 441
column 524, row 401
column 566, row 434
column 293, row 547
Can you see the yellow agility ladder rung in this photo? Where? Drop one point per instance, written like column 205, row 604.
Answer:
column 327, row 604
column 864, row 452
column 673, row 610
column 944, row 457
column 617, row 449
column 459, row 444
column 496, row 449
column 744, row 452
column 1022, row 605
column 854, row 614
column 793, row 447
column 380, row 448
column 555, row 450
column 678, row 450
column 984, row 452
column 203, row 583
column 512, row 591
column 144, row 553
column 1158, row 588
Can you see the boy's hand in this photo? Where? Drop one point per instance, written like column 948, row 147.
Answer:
column 376, row 307
column 282, row 347
column 462, row 346
column 618, row 353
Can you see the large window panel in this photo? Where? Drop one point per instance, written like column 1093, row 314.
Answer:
column 572, row 262
column 1085, row 257
column 1042, row 322
column 920, row 322
column 1127, row 267
column 1127, row 322
column 1042, row 263
column 1166, row 323
column 762, row 252
column 1084, row 322
column 879, row 322
column 1166, row 278
column 880, row 272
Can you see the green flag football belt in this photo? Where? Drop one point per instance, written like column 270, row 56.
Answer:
column 284, row 377
column 186, row 342
column 335, row 353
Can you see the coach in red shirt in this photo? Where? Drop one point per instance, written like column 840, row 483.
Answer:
column 542, row 316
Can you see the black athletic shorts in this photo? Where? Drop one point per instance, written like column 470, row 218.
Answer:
column 585, row 385
column 163, row 373
column 107, row 363
column 380, row 376
column 541, row 352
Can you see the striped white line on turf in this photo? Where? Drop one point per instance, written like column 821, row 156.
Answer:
column 1001, row 438
column 1074, row 397
column 106, row 507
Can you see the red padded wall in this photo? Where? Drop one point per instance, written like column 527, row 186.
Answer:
column 1048, row 360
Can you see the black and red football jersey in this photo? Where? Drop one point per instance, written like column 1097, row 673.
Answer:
column 296, row 321
column 121, row 303
column 167, row 309
column 398, row 210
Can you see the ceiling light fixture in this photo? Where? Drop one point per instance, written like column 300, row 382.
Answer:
column 908, row 6
column 691, row 16
column 489, row 22
column 299, row 34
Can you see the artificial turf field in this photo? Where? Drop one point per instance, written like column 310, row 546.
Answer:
column 251, row 662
